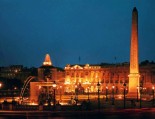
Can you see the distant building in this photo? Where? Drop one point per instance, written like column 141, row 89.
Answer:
column 13, row 77
column 10, row 72
column 16, row 72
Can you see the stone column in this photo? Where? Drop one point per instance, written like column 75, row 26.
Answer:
column 134, row 65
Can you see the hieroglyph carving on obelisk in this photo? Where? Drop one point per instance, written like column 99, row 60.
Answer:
column 134, row 65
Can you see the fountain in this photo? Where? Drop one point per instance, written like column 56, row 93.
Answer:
column 41, row 91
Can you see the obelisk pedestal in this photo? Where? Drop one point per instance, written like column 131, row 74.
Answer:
column 134, row 65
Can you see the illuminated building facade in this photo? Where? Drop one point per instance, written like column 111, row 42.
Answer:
column 82, row 77
column 87, row 76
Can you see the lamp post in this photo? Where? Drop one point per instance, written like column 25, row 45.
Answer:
column 113, row 95
column 60, row 92
column 153, row 95
column 98, row 86
column 137, row 93
column 124, row 94
column 106, row 93
column 88, row 93
column 140, row 90
column 144, row 90
column 0, row 86
column 54, row 87
column 76, row 94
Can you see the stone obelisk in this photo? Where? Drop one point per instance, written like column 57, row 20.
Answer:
column 134, row 65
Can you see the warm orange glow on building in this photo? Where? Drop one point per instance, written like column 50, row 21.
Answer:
column 83, row 78
column 47, row 61
column 108, row 75
column 49, row 72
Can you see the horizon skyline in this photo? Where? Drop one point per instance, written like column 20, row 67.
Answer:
column 96, row 31
column 149, row 61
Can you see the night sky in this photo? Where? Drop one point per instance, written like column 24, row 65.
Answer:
column 94, row 30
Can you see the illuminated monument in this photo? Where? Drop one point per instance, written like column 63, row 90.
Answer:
column 47, row 61
column 134, row 65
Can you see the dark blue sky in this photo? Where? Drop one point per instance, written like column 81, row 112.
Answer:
column 96, row 30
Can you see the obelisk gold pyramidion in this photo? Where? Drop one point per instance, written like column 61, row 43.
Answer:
column 134, row 65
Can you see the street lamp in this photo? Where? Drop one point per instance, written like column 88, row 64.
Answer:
column 153, row 95
column 0, row 85
column 144, row 90
column 106, row 93
column 76, row 94
column 137, row 93
column 98, row 86
column 88, row 93
column 54, row 88
column 124, row 93
column 60, row 92
column 113, row 94
column 140, row 90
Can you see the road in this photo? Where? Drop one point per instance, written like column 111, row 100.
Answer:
column 144, row 113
